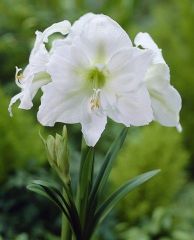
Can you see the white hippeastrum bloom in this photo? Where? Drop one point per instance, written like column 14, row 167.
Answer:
column 96, row 73
column 35, row 74
column 166, row 101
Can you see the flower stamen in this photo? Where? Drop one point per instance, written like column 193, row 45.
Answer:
column 95, row 99
column 18, row 76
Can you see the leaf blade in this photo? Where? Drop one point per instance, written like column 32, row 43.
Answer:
column 108, row 162
column 120, row 193
column 51, row 192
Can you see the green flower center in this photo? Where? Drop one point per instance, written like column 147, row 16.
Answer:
column 96, row 77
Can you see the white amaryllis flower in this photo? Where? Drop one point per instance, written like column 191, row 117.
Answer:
column 35, row 74
column 96, row 73
column 166, row 101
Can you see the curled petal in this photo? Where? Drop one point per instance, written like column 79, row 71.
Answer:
column 35, row 74
column 13, row 100
column 28, row 92
column 42, row 37
column 61, row 27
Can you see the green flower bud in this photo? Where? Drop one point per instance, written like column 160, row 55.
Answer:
column 57, row 154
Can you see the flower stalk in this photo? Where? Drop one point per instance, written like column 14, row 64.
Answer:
column 66, row 233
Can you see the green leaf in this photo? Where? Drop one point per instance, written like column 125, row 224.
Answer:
column 51, row 192
column 103, row 174
column 102, row 177
column 48, row 193
column 111, row 201
column 84, row 152
column 87, row 173
column 85, row 182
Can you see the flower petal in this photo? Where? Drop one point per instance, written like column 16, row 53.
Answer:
column 60, row 105
column 135, row 108
column 62, row 27
column 145, row 40
column 34, row 75
column 13, row 100
column 166, row 101
column 93, row 124
column 127, row 69
column 109, row 103
column 67, row 65
column 79, row 25
column 102, row 36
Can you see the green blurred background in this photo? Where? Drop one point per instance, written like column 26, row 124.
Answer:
column 162, row 209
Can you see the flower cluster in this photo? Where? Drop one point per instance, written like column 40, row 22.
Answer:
column 95, row 72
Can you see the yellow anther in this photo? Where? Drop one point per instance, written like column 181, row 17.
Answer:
column 95, row 104
column 95, row 99
column 20, row 76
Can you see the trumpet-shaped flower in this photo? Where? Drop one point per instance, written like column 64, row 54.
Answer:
column 166, row 101
column 35, row 74
column 96, row 72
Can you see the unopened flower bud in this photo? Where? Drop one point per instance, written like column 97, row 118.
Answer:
column 57, row 153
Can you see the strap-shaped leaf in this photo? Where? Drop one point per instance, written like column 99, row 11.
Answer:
column 85, row 182
column 84, row 151
column 104, row 172
column 52, row 193
column 48, row 193
column 111, row 201
column 102, row 177
column 86, row 173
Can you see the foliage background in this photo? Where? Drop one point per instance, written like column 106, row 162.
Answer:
column 162, row 209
